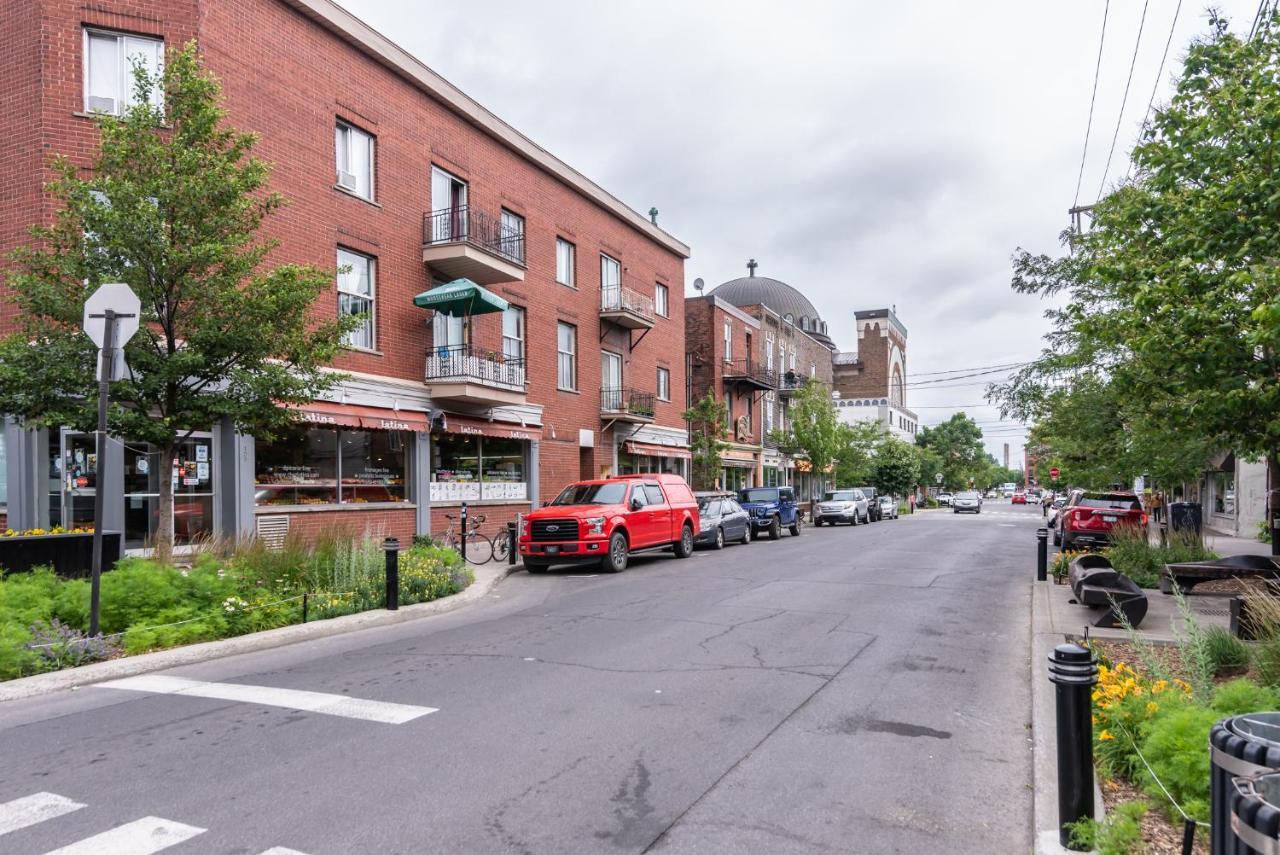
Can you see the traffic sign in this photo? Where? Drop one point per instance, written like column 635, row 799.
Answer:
column 1054, row 473
column 939, row 478
column 119, row 298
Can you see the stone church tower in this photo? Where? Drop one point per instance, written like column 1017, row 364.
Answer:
column 878, row 370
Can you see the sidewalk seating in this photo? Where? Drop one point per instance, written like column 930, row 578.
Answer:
column 1097, row 584
column 1187, row 576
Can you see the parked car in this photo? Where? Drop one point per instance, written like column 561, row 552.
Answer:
column 771, row 508
column 1018, row 498
column 944, row 500
column 992, row 494
column 842, row 506
column 1089, row 518
column 720, row 520
column 873, row 502
column 606, row 520
column 967, row 502
column 1054, row 508
column 888, row 507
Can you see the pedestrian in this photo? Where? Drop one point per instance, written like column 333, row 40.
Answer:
column 911, row 502
column 1157, row 501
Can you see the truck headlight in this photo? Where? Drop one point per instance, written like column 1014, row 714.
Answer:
column 595, row 525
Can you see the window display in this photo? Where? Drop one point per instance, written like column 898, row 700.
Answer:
column 466, row 468
column 321, row 466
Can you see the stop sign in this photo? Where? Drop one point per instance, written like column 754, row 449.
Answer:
column 1053, row 473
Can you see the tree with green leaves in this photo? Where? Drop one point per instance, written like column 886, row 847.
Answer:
column 855, row 458
column 1172, row 297
column 957, row 442
column 707, row 420
column 171, row 206
column 814, row 429
column 896, row 467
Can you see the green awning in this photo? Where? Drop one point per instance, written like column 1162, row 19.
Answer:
column 460, row 298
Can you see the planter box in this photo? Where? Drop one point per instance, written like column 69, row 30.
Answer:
column 70, row 555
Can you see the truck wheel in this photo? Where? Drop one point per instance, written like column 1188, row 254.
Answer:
column 684, row 546
column 535, row 566
column 817, row 522
column 719, row 544
column 775, row 528
column 615, row 561
column 796, row 526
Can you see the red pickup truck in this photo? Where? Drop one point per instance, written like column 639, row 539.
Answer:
column 1088, row 518
column 604, row 521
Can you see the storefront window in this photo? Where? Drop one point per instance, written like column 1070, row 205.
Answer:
column 4, row 477
column 323, row 467
column 466, row 468
column 503, row 460
column 455, row 457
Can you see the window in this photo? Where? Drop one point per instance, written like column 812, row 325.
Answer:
column 326, row 466
column 566, row 356
column 356, row 295
column 793, row 359
column 449, row 333
column 728, row 341
column 728, row 410
column 661, row 299
column 664, row 384
column 513, row 333
column 610, row 282
column 768, row 413
column 110, row 59
column 768, row 351
column 4, row 494
column 511, row 238
column 813, row 370
column 448, row 207
column 565, row 263
column 654, row 494
column 353, row 150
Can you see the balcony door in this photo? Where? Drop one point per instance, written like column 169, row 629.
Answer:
column 448, row 333
column 448, row 207
column 611, row 380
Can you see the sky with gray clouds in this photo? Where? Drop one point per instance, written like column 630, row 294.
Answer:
column 870, row 154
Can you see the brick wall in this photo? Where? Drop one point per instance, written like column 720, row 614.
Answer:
column 869, row 376
column 394, row 522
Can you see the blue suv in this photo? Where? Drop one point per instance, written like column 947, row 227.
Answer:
column 771, row 508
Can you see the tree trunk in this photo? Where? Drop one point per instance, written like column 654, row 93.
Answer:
column 164, row 528
column 1273, row 501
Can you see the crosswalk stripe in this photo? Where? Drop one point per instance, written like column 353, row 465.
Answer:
column 294, row 699
column 140, row 837
column 33, row 809
column 281, row 850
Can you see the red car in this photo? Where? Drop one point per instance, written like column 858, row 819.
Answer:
column 1089, row 518
column 604, row 521
column 1019, row 498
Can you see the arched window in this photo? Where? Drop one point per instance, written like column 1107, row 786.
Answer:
column 857, row 403
column 788, row 318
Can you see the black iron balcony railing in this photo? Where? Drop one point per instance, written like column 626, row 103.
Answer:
column 630, row 402
column 620, row 298
column 790, row 381
column 464, row 362
column 465, row 224
column 751, row 371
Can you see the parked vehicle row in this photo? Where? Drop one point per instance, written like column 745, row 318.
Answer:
column 605, row 521
column 1088, row 518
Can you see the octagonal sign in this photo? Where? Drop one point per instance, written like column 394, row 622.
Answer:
column 120, row 298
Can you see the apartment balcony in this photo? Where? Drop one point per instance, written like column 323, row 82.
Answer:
column 626, row 308
column 626, row 405
column 463, row 243
column 469, row 375
column 748, row 372
column 789, row 383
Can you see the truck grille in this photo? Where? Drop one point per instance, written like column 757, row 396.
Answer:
column 553, row 530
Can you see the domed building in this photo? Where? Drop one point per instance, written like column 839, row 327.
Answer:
column 754, row 342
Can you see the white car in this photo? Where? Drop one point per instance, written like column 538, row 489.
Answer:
column 944, row 500
column 888, row 507
column 967, row 502
column 847, row 506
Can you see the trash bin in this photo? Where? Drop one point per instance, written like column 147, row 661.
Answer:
column 1255, row 813
column 1239, row 747
column 1186, row 516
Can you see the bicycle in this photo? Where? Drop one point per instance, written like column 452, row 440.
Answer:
column 480, row 549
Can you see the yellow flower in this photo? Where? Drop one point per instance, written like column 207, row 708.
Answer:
column 1152, row 707
column 1159, row 686
column 1105, row 736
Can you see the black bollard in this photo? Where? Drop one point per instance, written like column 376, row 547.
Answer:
column 1074, row 671
column 1042, row 554
column 464, row 532
column 304, row 606
column 392, row 548
column 511, row 543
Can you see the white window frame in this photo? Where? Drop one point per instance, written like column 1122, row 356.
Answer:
column 567, row 357
column 513, row 340
column 662, row 300
column 664, row 384
column 568, row 275
column 793, row 359
column 768, row 351
column 511, row 225
column 371, row 297
column 123, row 71
column 344, row 135
column 728, row 341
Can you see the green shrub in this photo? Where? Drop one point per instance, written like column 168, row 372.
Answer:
column 1264, row 531
column 1226, row 654
column 1243, row 696
column 1134, row 555
column 1119, row 834
column 1175, row 746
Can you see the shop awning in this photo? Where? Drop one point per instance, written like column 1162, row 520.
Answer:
column 461, row 298
column 370, row 418
column 650, row 450
column 450, row 423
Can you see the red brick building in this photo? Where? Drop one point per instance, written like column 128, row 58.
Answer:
column 404, row 183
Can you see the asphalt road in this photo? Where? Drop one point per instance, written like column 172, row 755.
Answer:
column 853, row 690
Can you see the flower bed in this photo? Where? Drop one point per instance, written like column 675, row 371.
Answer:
column 69, row 553
column 147, row 606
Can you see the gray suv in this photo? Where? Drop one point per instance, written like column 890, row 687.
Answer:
column 847, row 506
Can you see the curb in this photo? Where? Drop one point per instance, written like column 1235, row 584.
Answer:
column 144, row 663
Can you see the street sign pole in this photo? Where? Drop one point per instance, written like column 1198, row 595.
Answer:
column 99, row 493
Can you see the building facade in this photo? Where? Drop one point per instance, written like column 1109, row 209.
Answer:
column 400, row 183
column 871, row 383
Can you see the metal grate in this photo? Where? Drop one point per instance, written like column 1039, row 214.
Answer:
column 553, row 530
column 273, row 530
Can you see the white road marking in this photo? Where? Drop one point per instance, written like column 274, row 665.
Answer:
column 281, row 850
column 33, row 809
column 140, row 837
column 317, row 702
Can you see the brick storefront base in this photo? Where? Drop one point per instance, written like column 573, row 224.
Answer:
column 310, row 526
column 496, row 517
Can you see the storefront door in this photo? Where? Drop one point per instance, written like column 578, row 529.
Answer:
column 79, row 480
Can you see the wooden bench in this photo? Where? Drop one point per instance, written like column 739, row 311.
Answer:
column 1187, row 576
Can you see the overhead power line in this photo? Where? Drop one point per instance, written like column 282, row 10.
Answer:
column 1004, row 370
column 1097, row 69
column 1125, row 99
column 1155, row 87
column 974, row 368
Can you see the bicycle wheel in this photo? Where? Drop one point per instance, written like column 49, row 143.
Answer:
column 448, row 541
column 501, row 547
column 479, row 549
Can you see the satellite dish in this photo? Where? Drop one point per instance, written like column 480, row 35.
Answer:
column 698, row 284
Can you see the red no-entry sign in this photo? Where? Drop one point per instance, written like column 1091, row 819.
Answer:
column 1053, row 473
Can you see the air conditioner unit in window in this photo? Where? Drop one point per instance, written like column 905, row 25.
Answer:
column 347, row 180
column 101, row 104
